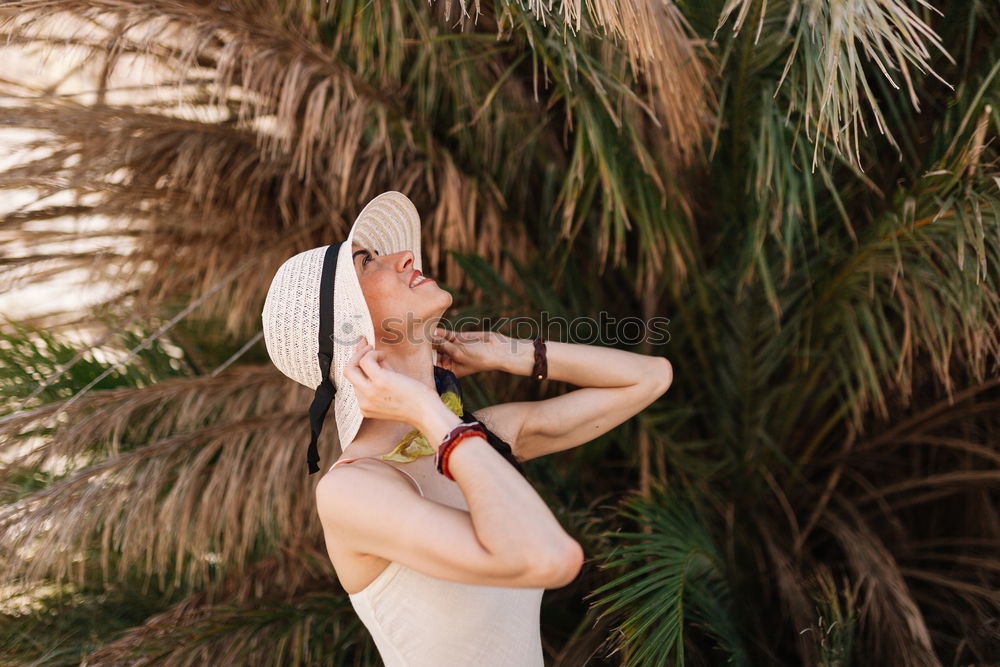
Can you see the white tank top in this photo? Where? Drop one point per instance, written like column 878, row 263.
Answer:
column 421, row 621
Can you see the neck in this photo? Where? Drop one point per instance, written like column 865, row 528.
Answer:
column 413, row 360
column 380, row 436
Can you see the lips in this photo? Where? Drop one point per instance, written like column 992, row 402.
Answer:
column 417, row 278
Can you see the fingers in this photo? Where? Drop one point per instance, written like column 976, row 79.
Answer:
column 354, row 371
column 462, row 336
column 370, row 362
column 359, row 350
column 442, row 339
column 443, row 344
column 453, row 336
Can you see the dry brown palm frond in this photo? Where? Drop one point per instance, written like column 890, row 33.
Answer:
column 174, row 505
column 189, row 221
column 894, row 629
column 950, row 410
column 296, row 71
column 316, row 103
column 662, row 45
column 791, row 591
column 100, row 420
column 918, row 426
column 820, row 505
column 321, row 628
column 315, row 127
column 185, row 494
column 125, row 649
column 972, row 636
column 180, row 212
column 943, row 488
column 916, row 311
column 984, row 562
column 979, row 450
column 956, row 480
column 594, row 74
column 986, row 543
column 989, row 594
column 182, row 161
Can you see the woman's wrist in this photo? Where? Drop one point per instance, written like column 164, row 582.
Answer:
column 435, row 421
column 519, row 356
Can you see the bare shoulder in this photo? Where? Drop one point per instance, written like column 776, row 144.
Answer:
column 374, row 514
column 348, row 489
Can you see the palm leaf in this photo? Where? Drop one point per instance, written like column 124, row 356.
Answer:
column 674, row 579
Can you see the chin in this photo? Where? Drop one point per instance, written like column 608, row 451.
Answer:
column 448, row 299
column 441, row 300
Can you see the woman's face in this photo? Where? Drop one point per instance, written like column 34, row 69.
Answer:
column 397, row 308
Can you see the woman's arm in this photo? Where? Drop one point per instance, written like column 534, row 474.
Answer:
column 586, row 365
column 617, row 385
column 509, row 516
column 509, row 536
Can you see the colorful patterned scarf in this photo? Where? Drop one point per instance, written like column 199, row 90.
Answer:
column 414, row 444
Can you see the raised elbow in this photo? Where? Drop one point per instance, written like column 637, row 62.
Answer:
column 573, row 562
column 563, row 566
column 662, row 375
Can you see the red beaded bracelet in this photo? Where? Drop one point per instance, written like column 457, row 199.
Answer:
column 456, row 435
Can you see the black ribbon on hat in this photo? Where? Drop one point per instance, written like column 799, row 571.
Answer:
column 326, row 390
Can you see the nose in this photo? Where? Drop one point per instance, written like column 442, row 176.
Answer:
column 404, row 260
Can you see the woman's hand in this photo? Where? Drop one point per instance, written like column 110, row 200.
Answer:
column 468, row 352
column 383, row 393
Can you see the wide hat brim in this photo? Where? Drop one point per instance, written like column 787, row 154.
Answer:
column 388, row 224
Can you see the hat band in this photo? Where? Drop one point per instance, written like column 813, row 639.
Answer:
column 326, row 391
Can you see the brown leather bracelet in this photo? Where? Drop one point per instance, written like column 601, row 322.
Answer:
column 541, row 367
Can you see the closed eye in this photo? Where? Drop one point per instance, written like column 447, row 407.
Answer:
column 367, row 256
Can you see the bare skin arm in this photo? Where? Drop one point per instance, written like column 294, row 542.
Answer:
column 616, row 385
column 509, row 536
column 510, row 518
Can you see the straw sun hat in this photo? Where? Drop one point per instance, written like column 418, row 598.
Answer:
column 315, row 312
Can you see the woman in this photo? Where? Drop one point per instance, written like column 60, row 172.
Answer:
column 443, row 546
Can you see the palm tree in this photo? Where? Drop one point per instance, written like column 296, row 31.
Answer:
column 807, row 190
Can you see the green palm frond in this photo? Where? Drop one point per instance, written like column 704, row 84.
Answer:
column 60, row 625
column 887, row 303
column 37, row 367
column 835, row 626
column 674, row 581
column 829, row 45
